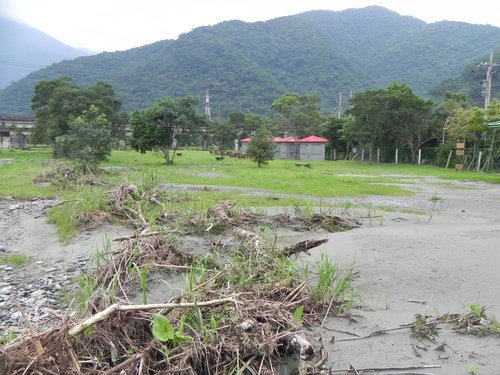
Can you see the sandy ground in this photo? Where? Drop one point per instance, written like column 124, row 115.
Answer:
column 448, row 256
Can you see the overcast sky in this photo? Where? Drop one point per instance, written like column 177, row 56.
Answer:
column 110, row 25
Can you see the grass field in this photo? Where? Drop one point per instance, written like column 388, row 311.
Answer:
column 323, row 179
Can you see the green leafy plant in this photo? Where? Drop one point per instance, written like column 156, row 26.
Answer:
column 165, row 332
column 476, row 309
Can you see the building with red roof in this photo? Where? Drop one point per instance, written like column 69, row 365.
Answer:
column 307, row 148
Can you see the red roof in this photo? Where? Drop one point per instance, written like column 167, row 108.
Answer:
column 313, row 139
column 310, row 139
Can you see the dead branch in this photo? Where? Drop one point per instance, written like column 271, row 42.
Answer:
column 119, row 367
column 303, row 246
column 379, row 369
column 104, row 314
column 372, row 334
column 133, row 236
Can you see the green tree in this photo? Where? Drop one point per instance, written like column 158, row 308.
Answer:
column 409, row 116
column 88, row 139
column 56, row 102
column 223, row 134
column 262, row 147
column 333, row 131
column 300, row 114
column 164, row 125
column 393, row 116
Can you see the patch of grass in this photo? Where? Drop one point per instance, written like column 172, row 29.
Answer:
column 280, row 176
column 17, row 175
column 15, row 259
column 333, row 284
column 63, row 218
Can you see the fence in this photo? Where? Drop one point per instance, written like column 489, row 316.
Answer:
column 479, row 159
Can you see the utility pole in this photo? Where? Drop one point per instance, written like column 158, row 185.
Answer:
column 487, row 82
column 340, row 104
column 207, row 105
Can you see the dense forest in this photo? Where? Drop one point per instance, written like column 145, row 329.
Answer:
column 248, row 65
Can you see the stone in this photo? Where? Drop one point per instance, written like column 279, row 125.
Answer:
column 15, row 316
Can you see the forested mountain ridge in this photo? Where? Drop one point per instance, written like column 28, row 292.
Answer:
column 251, row 64
column 25, row 49
column 471, row 80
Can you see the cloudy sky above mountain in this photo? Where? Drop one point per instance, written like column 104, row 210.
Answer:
column 110, row 25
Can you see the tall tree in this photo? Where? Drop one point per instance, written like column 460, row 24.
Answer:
column 300, row 114
column 164, row 125
column 408, row 115
column 57, row 102
column 88, row 140
column 393, row 116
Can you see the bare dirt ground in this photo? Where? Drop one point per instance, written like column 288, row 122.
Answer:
column 436, row 262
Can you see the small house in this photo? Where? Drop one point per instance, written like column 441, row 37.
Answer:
column 308, row 148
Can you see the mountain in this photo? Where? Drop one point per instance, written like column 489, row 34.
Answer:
column 251, row 64
column 25, row 50
column 471, row 81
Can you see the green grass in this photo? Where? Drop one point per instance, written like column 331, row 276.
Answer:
column 326, row 179
column 15, row 259
column 17, row 176
column 280, row 176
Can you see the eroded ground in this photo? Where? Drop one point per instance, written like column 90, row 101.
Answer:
column 431, row 253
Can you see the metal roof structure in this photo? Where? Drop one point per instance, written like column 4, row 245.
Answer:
column 310, row 139
column 494, row 125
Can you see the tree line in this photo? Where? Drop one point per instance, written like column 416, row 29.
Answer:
column 85, row 124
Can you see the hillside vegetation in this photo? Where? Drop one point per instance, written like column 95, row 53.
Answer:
column 249, row 65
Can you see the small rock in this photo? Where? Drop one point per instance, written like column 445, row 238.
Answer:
column 6, row 290
column 15, row 316
column 39, row 262
column 14, row 207
column 37, row 293
column 8, row 269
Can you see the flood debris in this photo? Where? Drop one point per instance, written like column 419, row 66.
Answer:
column 239, row 315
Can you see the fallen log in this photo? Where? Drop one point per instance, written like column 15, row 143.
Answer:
column 303, row 246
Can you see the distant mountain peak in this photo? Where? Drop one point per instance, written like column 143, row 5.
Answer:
column 248, row 65
column 26, row 49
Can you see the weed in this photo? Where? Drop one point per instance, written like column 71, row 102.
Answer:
column 142, row 275
column 472, row 369
column 15, row 259
column 7, row 337
column 332, row 284
column 435, row 198
column 86, row 287
column 297, row 314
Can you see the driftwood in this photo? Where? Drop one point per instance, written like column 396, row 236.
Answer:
column 104, row 314
column 303, row 246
